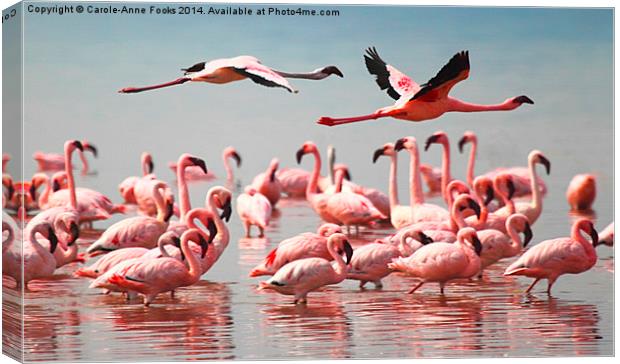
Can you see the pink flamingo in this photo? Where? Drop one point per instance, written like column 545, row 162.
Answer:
column 425, row 102
column 305, row 245
column 349, row 208
column 421, row 211
column 400, row 215
column 293, row 181
column 57, row 182
column 154, row 276
column 581, row 192
column 470, row 137
column 370, row 262
column 30, row 260
column 441, row 137
column 115, row 257
column 194, row 173
column 227, row 70
column 607, row 235
column 484, row 190
column 299, row 277
column 7, row 182
column 254, row 209
column 432, row 177
column 185, row 161
column 137, row 231
column 553, row 258
column 67, row 250
column 443, row 262
column 6, row 157
column 496, row 245
column 267, row 183
column 126, row 187
column 56, row 162
column 531, row 209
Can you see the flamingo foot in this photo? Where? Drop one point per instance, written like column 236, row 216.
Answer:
column 326, row 121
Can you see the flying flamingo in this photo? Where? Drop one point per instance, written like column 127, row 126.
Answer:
column 531, row 209
column 521, row 176
column 370, row 262
column 421, row 211
column 267, row 183
column 553, row 258
column 581, row 192
column 227, row 70
column 349, row 208
column 442, row 262
column 126, row 187
column 607, row 235
column 496, row 245
column 441, row 137
column 30, row 260
column 56, row 162
column 425, row 102
column 305, row 245
column 254, row 209
column 400, row 215
column 185, row 161
column 154, row 276
column 106, row 262
column 137, row 231
column 299, row 277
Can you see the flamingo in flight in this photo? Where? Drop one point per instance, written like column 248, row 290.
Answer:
column 227, row 70
column 422, row 102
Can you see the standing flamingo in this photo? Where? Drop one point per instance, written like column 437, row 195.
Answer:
column 425, row 102
column 299, row 277
column 126, row 187
column 154, row 276
column 305, row 245
column 441, row 137
column 267, row 183
column 227, row 70
column 254, row 209
column 531, row 209
column 67, row 250
column 553, row 258
column 432, row 177
column 137, row 231
column 185, row 161
column 293, row 181
column 421, row 211
column 370, row 262
column 30, row 260
column 607, row 235
column 581, row 192
column 56, row 162
column 194, row 173
column 400, row 215
column 443, row 262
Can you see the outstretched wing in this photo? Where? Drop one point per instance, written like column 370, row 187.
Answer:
column 396, row 83
column 456, row 70
column 263, row 75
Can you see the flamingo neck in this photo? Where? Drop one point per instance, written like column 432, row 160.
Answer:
column 394, row 201
column 44, row 198
column 84, row 160
column 516, row 243
column 462, row 106
column 185, row 205
column 341, row 267
column 223, row 236
column 576, row 235
column 159, row 202
column 145, row 167
column 303, row 75
column 161, row 245
column 227, row 167
column 536, row 202
column 35, row 243
column 415, row 180
column 70, row 178
column 446, row 177
column 195, row 269
column 471, row 163
column 311, row 189
column 457, row 221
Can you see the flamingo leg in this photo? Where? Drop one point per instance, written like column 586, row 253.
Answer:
column 325, row 120
column 442, row 285
column 550, row 283
column 261, row 233
column 378, row 284
column 532, row 285
column 416, row 287
column 130, row 90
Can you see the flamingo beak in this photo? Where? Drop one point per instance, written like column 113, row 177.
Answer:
column 227, row 210
column 75, row 233
column 400, row 144
column 204, row 246
column 272, row 176
column 527, row 232
column 593, row 235
column 378, row 153
column 474, row 206
column 462, row 144
column 523, row 100
column 299, row 155
column 176, row 241
column 91, row 148
column 237, row 158
column 332, row 70
column 348, row 250
column 77, row 144
column 32, row 190
column 477, row 244
column 51, row 236
column 425, row 239
column 151, row 166
column 55, row 186
column 212, row 230
column 545, row 162
column 11, row 190
column 169, row 211
column 489, row 197
column 431, row 139
column 347, row 175
column 511, row 189
column 200, row 163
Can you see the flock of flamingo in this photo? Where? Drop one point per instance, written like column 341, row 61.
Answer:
column 168, row 244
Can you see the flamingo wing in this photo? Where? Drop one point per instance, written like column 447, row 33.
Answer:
column 304, row 271
column 263, row 75
column 396, row 83
column 438, row 87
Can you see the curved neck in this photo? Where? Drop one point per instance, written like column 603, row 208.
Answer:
column 45, row 195
column 516, row 243
column 471, row 163
column 159, row 201
column 393, row 188
column 35, row 243
column 227, row 167
column 222, row 236
column 462, row 106
column 185, row 205
column 341, row 267
column 70, row 179
column 576, row 235
column 161, row 245
column 415, row 180
column 314, row 178
column 457, row 221
column 195, row 269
